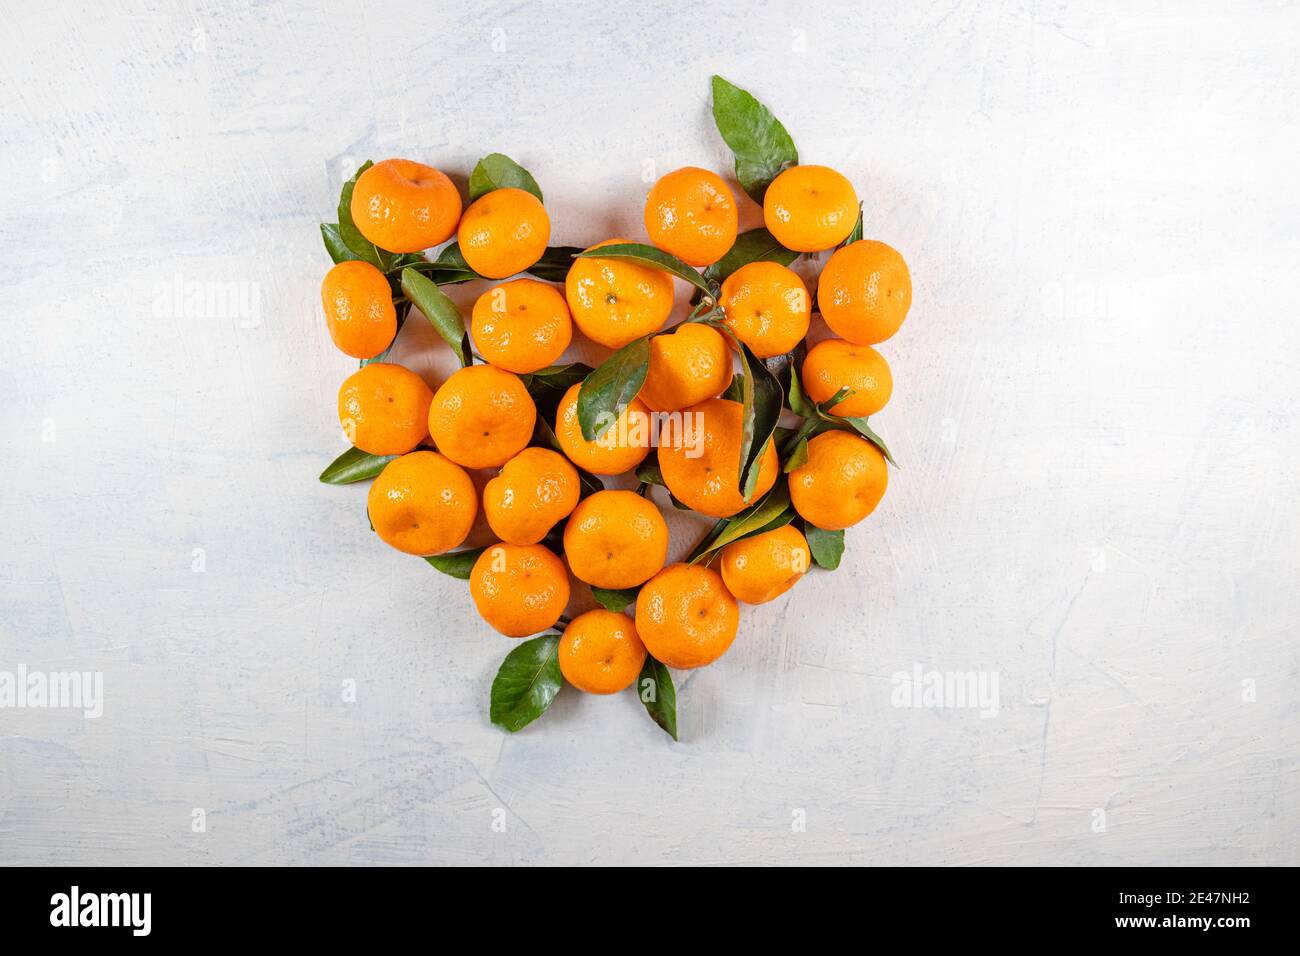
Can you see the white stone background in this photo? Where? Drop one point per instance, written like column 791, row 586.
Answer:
column 1097, row 414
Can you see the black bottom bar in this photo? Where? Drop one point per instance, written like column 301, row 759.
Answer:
column 333, row 906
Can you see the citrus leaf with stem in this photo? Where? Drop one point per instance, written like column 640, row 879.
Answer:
column 799, row 403
column 607, row 391
column 548, row 385
column 827, row 547
column 439, row 310
column 648, row 471
column 817, row 418
column 655, row 688
column 354, row 465
column 612, row 600
column 755, row 245
column 646, row 255
column 736, row 390
column 770, row 512
column 338, row 249
column 526, row 683
column 824, row 408
column 761, row 145
column 761, row 399
column 458, row 564
column 362, row 247
column 798, row 456
column 450, row 268
column 554, row 264
column 499, row 171
column 860, row 426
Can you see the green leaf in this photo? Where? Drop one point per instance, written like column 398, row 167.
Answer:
column 818, row 422
column 556, row 378
column 818, row 418
column 798, row 458
column 772, row 511
column 499, row 171
column 789, row 439
column 548, row 386
column 362, row 247
column 761, row 145
column 527, row 682
column 607, row 391
column 334, row 244
column 458, row 564
column 860, row 426
column 645, row 255
column 648, row 471
column 825, row 407
column 756, row 245
column 554, row 264
column 800, row 403
column 450, row 268
column 655, row 688
column 736, row 390
column 453, row 269
column 762, row 400
column 827, row 547
column 615, row 600
column 544, row 437
column 439, row 310
column 563, row 377
column 401, row 260
column 354, row 465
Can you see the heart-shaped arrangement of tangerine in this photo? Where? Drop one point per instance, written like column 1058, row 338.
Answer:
column 695, row 411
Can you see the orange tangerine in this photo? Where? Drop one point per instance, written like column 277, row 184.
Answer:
column 614, row 301
column 521, row 325
column 404, row 206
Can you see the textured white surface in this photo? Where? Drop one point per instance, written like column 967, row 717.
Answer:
column 1097, row 411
